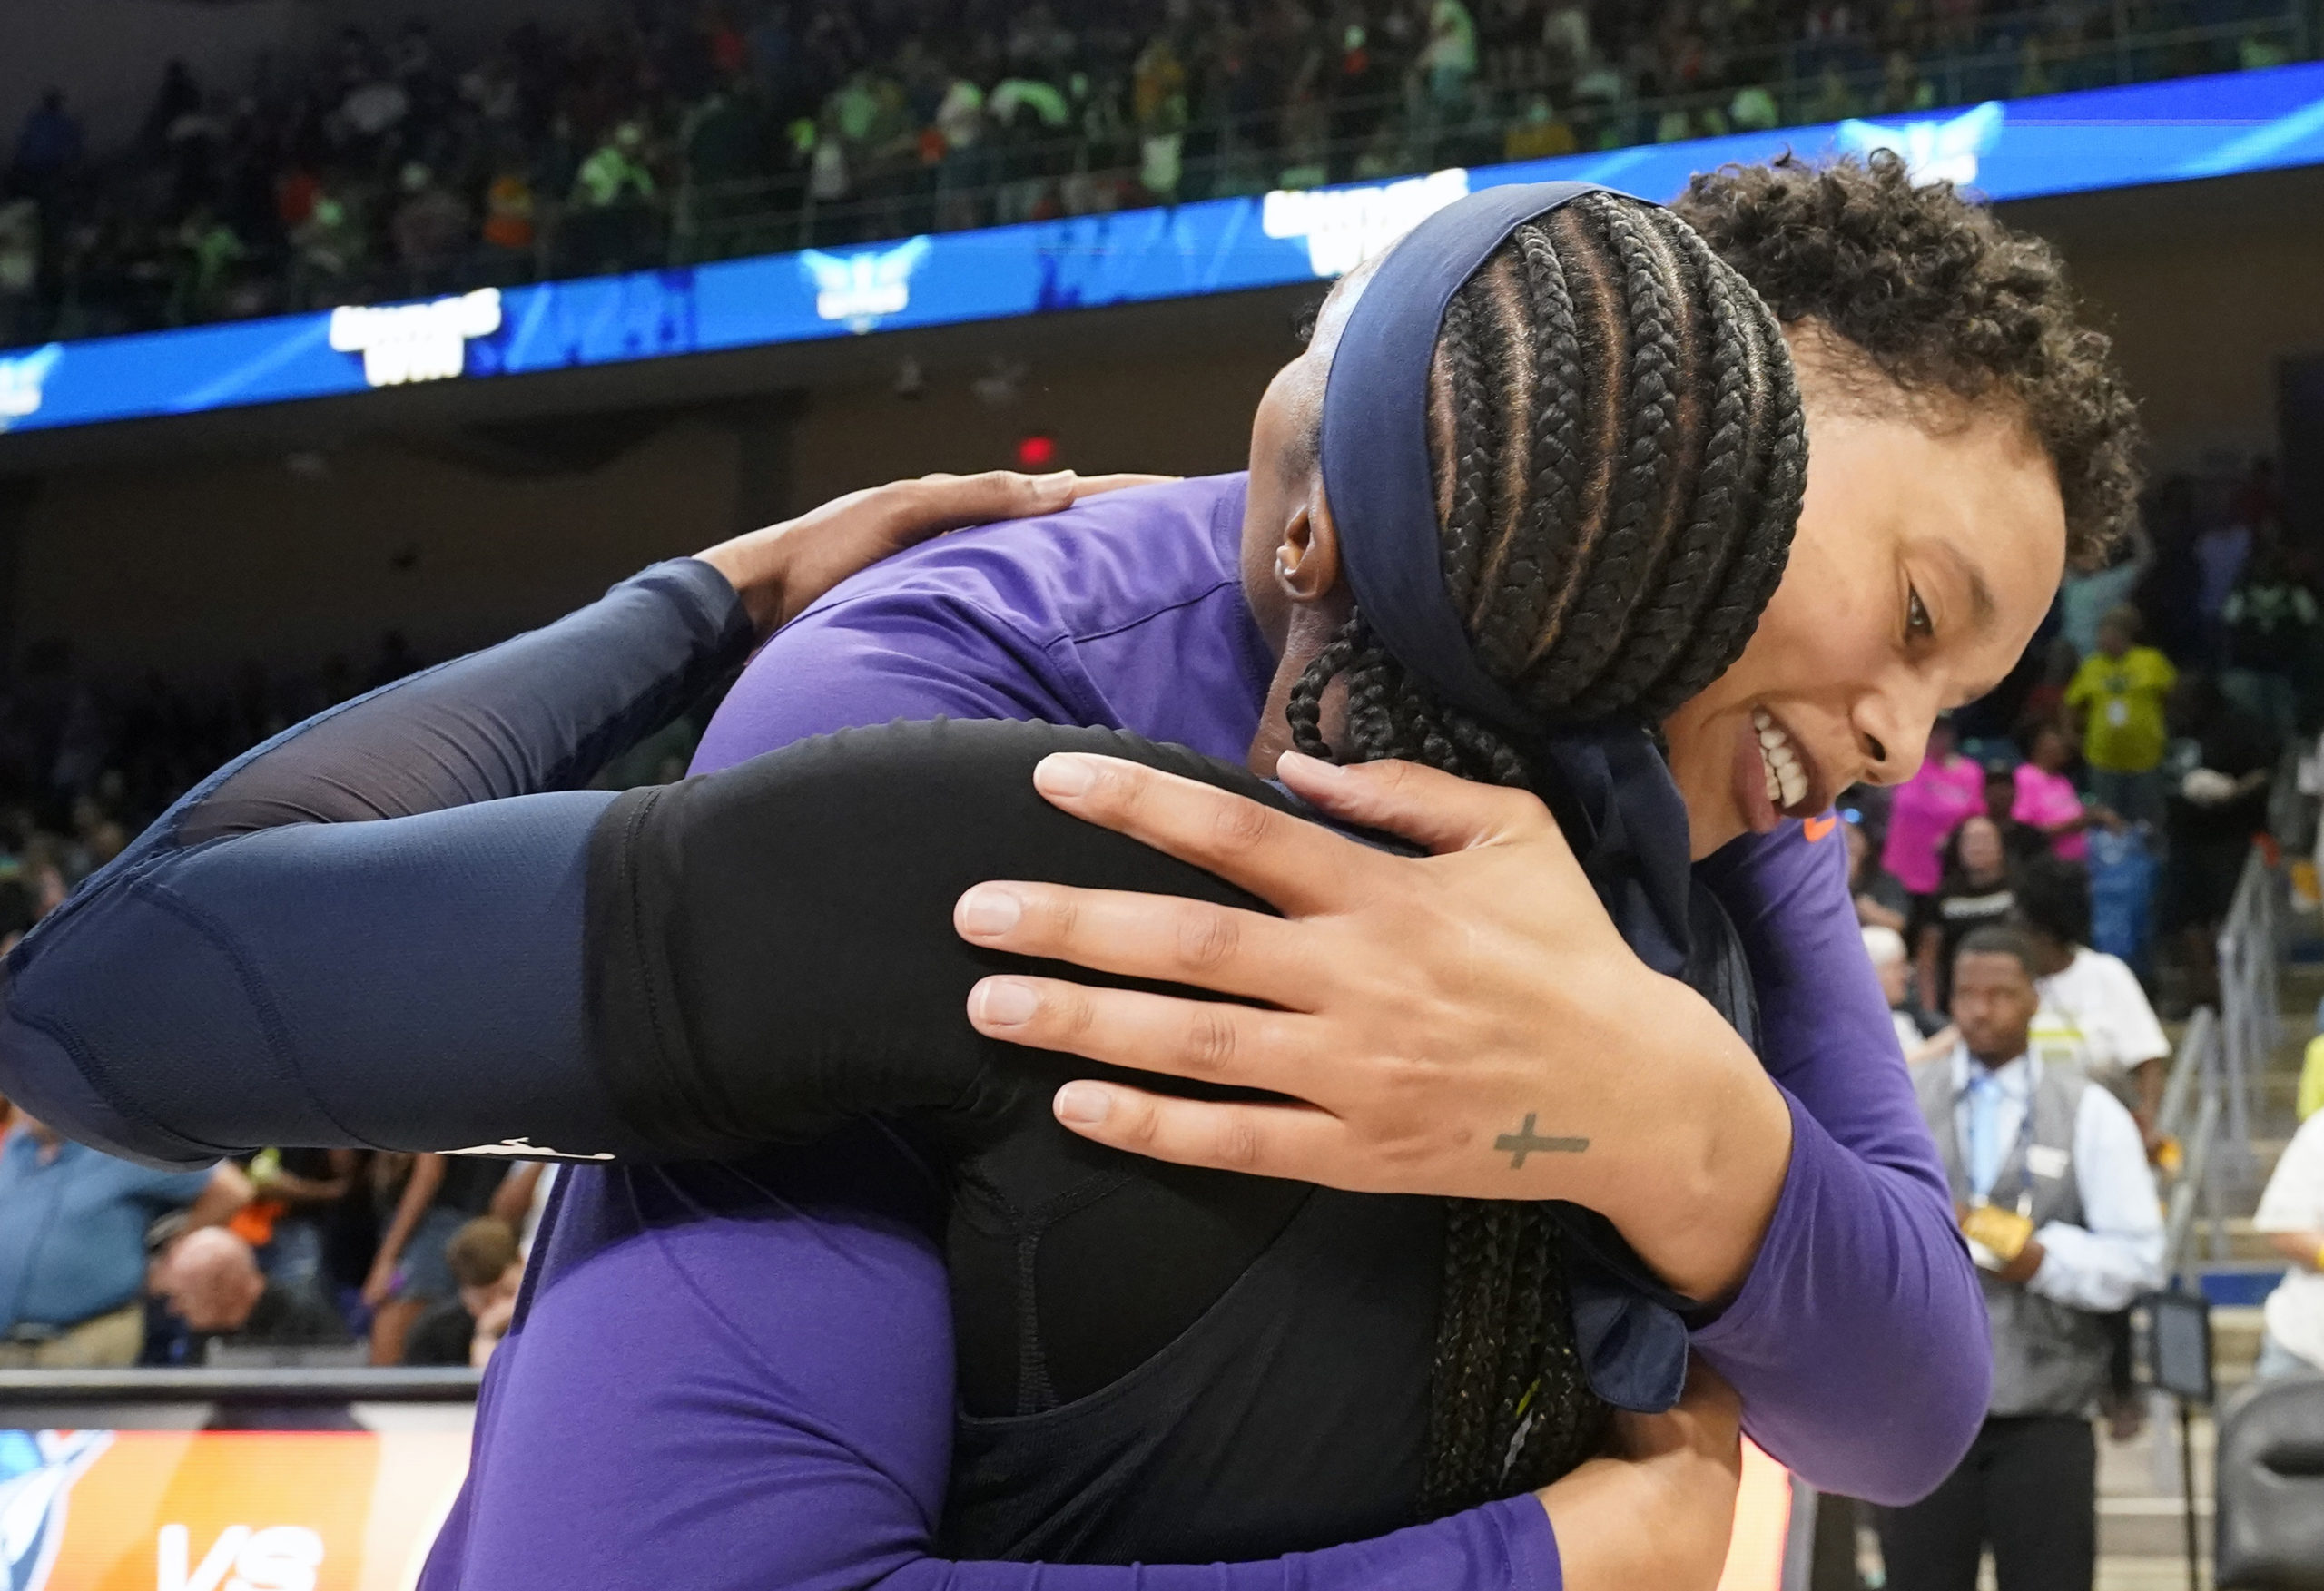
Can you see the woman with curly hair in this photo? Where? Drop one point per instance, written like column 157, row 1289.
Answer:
column 1528, row 498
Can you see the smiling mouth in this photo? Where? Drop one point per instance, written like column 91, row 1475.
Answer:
column 1791, row 776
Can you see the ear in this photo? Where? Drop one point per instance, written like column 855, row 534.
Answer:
column 1307, row 557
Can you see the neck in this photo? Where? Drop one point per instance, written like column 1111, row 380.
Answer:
column 1995, row 1063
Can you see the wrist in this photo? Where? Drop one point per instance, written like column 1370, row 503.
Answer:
column 1700, row 1149
column 755, row 568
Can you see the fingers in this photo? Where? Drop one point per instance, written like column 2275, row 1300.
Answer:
column 1091, row 486
column 934, row 504
column 1206, row 1039
column 1299, row 868
column 1294, row 1141
column 1438, row 810
column 1165, row 937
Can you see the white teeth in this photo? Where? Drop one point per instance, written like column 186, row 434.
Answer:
column 1786, row 777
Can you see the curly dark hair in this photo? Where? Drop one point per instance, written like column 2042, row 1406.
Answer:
column 1940, row 298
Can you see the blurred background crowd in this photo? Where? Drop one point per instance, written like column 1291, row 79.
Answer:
column 693, row 132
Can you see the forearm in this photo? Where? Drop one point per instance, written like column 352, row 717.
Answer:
column 1688, row 1152
column 2101, row 1272
column 2301, row 1248
column 228, row 1192
column 1859, row 1344
column 362, row 957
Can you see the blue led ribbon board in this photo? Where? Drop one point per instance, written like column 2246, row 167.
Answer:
column 2017, row 149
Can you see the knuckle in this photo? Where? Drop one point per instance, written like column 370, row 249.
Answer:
column 1237, row 1144
column 1208, row 939
column 1144, row 1123
column 1071, row 1015
column 1210, row 1043
column 1238, row 826
column 1053, row 917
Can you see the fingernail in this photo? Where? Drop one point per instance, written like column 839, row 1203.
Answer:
column 1083, row 1105
column 1064, row 774
column 1004, row 1002
column 1314, row 767
column 989, row 909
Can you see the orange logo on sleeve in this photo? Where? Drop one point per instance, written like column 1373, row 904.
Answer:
column 1815, row 829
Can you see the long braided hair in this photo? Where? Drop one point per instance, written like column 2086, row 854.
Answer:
column 1619, row 452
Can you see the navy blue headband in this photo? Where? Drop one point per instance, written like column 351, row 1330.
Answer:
column 1376, row 441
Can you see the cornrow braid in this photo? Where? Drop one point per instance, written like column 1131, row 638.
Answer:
column 1618, row 454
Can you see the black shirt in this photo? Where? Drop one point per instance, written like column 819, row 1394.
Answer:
column 287, row 1317
column 442, row 1336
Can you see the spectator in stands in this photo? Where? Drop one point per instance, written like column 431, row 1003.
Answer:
column 484, row 1261
column 2119, row 691
column 2060, row 1208
column 2092, row 1008
column 2045, row 800
column 1885, row 946
column 1973, row 892
column 49, row 148
column 294, row 1193
column 2218, row 808
column 434, row 232
column 1927, row 808
column 2221, row 553
column 73, row 1224
column 1880, row 900
column 2270, row 623
column 2089, row 596
column 2022, row 841
column 2291, row 1214
column 214, row 1284
column 423, row 1199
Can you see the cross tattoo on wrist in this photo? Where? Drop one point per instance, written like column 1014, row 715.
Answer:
column 1523, row 1142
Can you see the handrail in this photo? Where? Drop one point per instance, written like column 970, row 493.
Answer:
column 2190, row 1189
column 400, row 1384
column 2251, row 1019
column 2197, row 1050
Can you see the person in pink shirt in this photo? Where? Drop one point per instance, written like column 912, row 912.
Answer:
column 2047, row 800
column 1927, row 808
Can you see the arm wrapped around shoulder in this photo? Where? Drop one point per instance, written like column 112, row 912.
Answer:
column 770, row 948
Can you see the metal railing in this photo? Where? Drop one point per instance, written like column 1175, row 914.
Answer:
column 2193, row 1087
column 2250, row 1015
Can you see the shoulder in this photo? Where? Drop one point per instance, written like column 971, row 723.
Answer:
column 1101, row 566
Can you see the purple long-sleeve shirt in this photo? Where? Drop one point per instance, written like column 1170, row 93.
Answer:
column 1857, row 1342
column 740, row 1378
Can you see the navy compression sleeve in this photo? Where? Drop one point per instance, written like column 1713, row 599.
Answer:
column 370, row 930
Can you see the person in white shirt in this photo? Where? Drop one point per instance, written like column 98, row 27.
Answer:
column 2090, row 999
column 1893, row 963
column 2291, row 1214
column 2050, row 1175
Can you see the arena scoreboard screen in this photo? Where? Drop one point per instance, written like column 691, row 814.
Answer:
column 2177, row 131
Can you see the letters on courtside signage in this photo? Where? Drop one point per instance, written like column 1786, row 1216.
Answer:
column 95, row 1510
column 2104, row 138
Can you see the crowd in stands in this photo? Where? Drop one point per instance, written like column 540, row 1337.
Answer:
column 704, row 129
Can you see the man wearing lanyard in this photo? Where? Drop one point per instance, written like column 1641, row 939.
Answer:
column 2050, row 1179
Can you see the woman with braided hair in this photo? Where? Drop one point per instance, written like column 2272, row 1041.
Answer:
column 1154, row 1362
